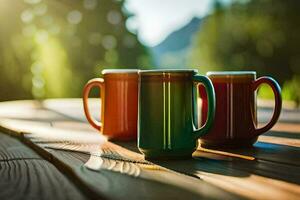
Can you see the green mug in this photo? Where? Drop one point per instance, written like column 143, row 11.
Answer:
column 167, row 112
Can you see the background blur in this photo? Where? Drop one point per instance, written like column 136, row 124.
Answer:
column 50, row 48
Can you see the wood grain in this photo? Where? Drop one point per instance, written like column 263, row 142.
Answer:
column 118, row 170
column 12, row 149
column 288, row 127
column 246, row 173
column 250, row 179
column 26, row 175
column 34, row 179
column 118, row 179
column 129, row 169
column 290, row 142
column 268, row 151
column 121, row 171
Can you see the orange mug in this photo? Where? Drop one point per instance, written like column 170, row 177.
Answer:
column 119, row 106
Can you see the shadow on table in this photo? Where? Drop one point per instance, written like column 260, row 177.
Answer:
column 273, row 161
column 283, row 134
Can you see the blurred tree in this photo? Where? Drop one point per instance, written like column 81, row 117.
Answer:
column 261, row 35
column 50, row 48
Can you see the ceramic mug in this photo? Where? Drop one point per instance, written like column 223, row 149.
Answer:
column 119, row 103
column 235, row 122
column 168, row 110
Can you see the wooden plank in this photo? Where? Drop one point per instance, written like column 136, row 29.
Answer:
column 26, row 175
column 291, row 129
column 280, row 145
column 274, row 170
column 277, row 149
column 27, row 110
column 209, row 170
column 281, row 141
column 34, row 179
column 282, row 179
column 118, row 167
column 250, row 179
column 12, row 149
column 110, row 179
column 118, row 179
column 73, row 108
column 269, row 151
column 275, row 167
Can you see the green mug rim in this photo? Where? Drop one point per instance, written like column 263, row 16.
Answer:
column 159, row 71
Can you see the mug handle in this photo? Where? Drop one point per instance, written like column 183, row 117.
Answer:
column 278, row 102
column 99, row 82
column 211, row 105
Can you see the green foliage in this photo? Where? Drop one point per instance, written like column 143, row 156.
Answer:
column 261, row 35
column 265, row 92
column 51, row 48
column 291, row 89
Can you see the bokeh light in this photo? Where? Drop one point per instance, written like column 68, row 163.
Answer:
column 51, row 48
column 74, row 17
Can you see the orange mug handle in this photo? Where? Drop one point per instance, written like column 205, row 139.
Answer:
column 278, row 102
column 99, row 82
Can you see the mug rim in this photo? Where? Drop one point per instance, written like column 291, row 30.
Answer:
column 230, row 73
column 119, row 71
column 159, row 71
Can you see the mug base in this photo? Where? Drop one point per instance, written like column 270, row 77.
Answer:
column 228, row 144
column 167, row 154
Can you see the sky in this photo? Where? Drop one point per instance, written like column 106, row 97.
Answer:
column 154, row 20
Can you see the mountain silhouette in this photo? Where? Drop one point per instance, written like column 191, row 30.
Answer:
column 173, row 51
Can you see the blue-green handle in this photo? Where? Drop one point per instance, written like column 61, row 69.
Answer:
column 211, row 105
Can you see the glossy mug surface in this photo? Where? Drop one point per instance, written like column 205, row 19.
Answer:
column 119, row 95
column 235, row 122
column 167, row 111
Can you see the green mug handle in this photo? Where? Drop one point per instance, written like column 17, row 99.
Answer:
column 211, row 105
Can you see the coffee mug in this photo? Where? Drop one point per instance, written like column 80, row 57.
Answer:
column 168, row 110
column 119, row 103
column 235, row 124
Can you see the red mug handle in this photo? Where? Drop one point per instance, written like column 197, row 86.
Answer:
column 99, row 82
column 278, row 102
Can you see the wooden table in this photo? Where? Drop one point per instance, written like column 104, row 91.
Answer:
column 48, row 151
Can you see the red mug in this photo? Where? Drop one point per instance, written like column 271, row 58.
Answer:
column 235, row 122
column 119, row 103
